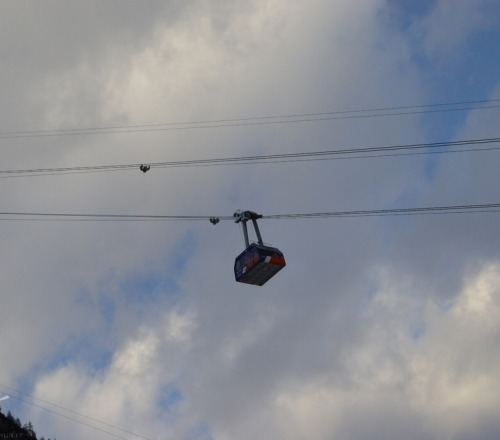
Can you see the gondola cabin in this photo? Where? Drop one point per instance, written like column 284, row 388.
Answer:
column 257, row 264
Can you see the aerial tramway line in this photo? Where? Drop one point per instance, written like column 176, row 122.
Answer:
column 258, row 262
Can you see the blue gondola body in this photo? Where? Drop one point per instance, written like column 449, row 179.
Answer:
column 257, row 264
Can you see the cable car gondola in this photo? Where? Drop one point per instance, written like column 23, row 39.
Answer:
column 258, row 263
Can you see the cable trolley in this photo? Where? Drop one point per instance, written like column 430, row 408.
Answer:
column 258, row 263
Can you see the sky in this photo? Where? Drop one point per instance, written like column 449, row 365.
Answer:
column 378, row 327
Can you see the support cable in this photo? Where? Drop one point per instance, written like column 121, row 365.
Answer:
column 452, row 209
column 73, row 419
column 345, row 153
column 260, row 120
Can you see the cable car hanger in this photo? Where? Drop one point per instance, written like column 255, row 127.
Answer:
column 242, row 217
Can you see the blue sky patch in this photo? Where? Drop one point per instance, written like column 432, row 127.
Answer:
column 183, row 251
column 169, row 397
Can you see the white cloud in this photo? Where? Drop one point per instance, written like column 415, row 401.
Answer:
column 126, row 393
column 437, row 385
column 142, row 324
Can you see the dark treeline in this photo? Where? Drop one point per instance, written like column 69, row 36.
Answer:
column 12, row 428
